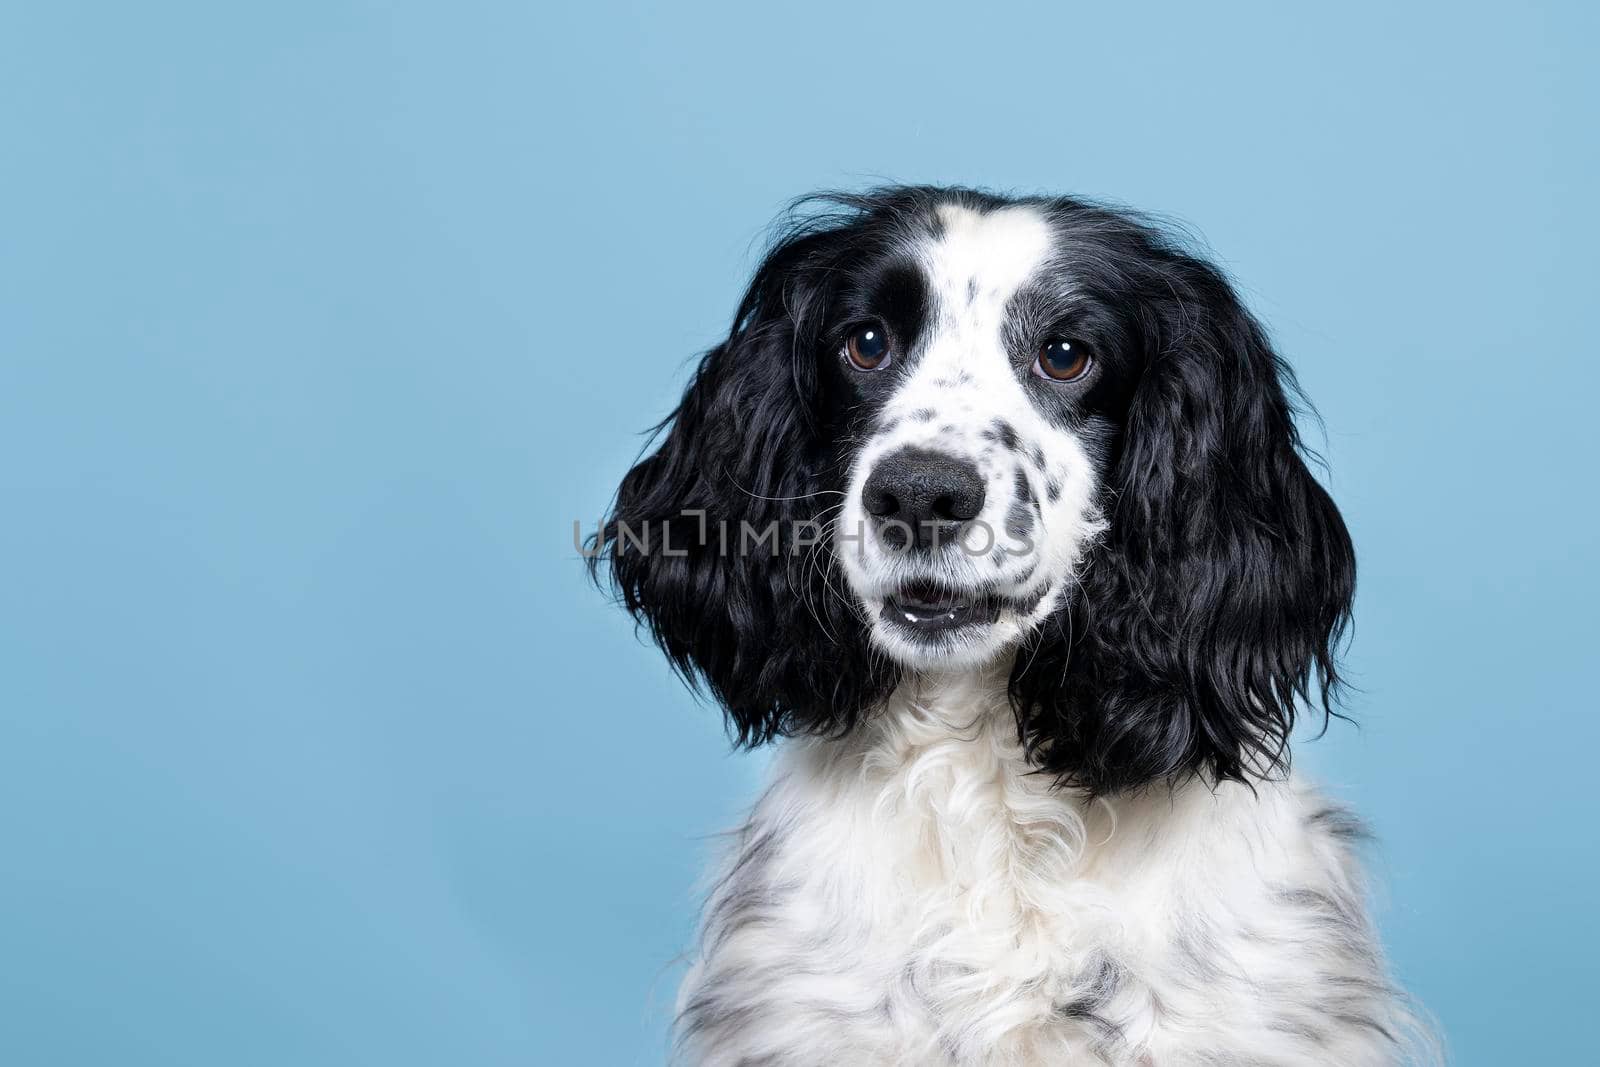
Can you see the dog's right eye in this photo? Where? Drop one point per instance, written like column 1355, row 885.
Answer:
column 868, row 347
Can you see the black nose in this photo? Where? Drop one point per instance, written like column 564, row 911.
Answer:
column 921, row 498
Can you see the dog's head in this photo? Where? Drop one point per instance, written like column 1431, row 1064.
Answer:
column 949, row 429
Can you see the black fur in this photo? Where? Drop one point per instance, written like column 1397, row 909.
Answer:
column 758, row 438
column 1222, row 588
column 1213, row 605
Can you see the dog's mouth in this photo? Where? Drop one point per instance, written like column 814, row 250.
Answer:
column 924, row 609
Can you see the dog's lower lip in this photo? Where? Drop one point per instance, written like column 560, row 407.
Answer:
column 928, row 609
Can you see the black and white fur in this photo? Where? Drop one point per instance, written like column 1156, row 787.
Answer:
column 1065, row 833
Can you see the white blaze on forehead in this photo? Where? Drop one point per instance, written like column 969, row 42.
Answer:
column 996, row 251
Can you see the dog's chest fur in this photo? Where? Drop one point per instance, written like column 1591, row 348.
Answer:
column 913, row 894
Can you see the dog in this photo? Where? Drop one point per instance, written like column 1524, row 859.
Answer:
column 994, row 509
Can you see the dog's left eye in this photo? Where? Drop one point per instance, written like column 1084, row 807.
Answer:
column 868, row 347
column 1062, row 360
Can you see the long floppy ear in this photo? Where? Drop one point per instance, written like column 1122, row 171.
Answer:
column 1224, row 582
column 717, row 541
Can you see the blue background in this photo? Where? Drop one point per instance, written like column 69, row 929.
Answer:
column 321, row 323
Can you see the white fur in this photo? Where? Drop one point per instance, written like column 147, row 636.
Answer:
column 915, row 895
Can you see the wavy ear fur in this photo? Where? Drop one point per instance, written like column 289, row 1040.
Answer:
column 1224, row 583
column 758, row 622
column 1207, row 612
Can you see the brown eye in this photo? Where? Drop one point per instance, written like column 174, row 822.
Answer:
column 1061, row 360
column 868, row 347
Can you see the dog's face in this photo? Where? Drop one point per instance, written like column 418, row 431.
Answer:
column 949, row 429
column 991, row 407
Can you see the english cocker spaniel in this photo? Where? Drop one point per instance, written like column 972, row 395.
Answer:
column 995, row 510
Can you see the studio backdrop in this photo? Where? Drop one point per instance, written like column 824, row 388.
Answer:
column 328, row 329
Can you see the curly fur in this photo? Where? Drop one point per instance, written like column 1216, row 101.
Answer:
column 1068, row 835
